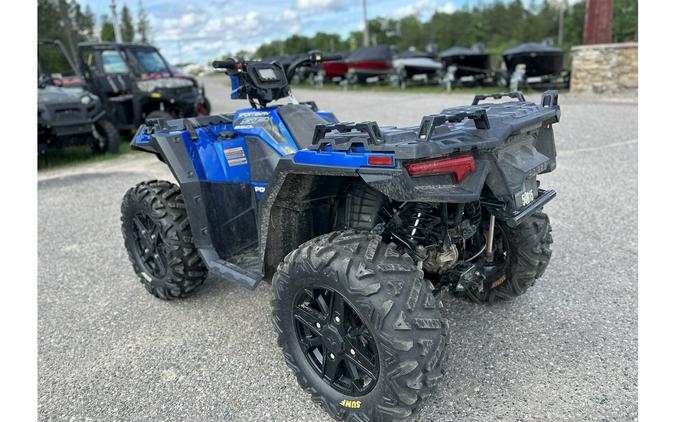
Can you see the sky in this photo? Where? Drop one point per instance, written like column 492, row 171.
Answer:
column 199, row 31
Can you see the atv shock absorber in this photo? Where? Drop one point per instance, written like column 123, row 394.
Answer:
column 490, row 239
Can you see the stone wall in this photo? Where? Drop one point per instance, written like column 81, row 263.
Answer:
column 605, row 68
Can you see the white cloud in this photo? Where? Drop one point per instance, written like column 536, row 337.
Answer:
column 289, row 14
column 448, row 8
column 423, row 8
column 321, row 4
column 200, row 31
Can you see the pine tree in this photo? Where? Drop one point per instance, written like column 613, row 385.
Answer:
column 127, row 25
column 107, row 29
column 87, row 23
column 142, row 25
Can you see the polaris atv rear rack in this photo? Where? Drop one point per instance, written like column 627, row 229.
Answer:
column 498, row 96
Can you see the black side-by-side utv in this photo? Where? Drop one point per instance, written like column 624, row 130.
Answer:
column 135, row 83
column 68, row 114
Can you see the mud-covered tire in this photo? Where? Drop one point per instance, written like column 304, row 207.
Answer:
column 110, row 138
column 529, row 252
column 396, row 304
column 161, row 203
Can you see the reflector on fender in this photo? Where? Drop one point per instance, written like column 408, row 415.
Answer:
column 460, row 165
column 380, row 160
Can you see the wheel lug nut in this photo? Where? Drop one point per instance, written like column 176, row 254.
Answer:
column 353, row 352
column 332, row 356
column 318, row 325
column 337, row 319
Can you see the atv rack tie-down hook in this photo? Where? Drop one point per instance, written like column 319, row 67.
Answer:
column 347, row 131
column 497, row 96
column 431, row 122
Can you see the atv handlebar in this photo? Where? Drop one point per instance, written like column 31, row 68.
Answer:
column 324, row 57
column 314, row 56
column 229, row 64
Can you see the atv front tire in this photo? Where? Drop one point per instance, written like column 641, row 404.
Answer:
column 158, row 240
column 108, row 138
column 527, row 251
column 382, row 295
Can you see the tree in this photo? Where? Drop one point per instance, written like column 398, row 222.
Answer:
column 142, row 25
column 127, row 25
column 85, row 22
column 107, row 29
column 624, row 20
column 574, row 24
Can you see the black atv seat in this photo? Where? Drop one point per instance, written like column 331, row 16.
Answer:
column 300, row 121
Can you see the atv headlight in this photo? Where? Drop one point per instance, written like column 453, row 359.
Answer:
column 86, row 99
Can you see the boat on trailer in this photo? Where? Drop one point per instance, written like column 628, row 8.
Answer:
column 370, row 64
column 415, row 67
column 468, row 66
column 543, row 64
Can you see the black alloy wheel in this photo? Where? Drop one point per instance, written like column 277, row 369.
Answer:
column 335, row 341
column 150, row 247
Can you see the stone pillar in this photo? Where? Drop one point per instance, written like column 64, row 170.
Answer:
column 598, row 22
column 605, row 68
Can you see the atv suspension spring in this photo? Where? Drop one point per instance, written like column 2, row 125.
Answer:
column 422, row 222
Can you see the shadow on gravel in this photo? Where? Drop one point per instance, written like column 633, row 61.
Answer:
column 212, row 288
column 65, row 181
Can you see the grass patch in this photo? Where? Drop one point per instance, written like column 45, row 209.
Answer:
column 83, row 154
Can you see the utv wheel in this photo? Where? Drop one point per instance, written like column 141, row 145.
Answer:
column 523, row 253
column 158, row 239
column 107, row 138
column 359, row 326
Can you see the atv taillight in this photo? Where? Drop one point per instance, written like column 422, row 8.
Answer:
column 380, row 160
column 459, row 165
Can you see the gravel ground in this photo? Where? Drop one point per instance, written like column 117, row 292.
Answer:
column 566, row 351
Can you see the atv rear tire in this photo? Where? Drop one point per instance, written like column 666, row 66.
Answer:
column 109, row 141
column 528, row 251
column 394, row 303
column 158, row 239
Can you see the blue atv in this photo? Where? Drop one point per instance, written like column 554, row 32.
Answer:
column 360, row 229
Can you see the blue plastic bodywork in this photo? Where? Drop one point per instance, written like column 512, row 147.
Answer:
column 228, row 160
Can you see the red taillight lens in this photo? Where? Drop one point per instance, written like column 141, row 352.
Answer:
column 460, row 165
column 380, row 160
